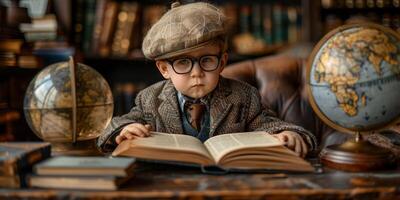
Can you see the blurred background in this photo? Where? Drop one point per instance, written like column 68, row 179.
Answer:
column 107, row 35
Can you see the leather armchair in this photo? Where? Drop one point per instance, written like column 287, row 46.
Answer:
column 281, row 82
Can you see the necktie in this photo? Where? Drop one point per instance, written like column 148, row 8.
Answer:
column 195, row 114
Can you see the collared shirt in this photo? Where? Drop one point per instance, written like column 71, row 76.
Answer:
column 203, row 134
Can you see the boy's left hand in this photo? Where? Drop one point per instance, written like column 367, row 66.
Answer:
column 293, row 141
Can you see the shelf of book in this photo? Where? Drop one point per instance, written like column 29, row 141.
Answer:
column 334, row 13
column 116, row 28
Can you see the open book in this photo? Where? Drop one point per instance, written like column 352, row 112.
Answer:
column 241, row 151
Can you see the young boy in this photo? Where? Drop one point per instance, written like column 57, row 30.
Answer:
column 189, row 46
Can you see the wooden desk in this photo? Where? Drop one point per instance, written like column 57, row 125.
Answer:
column 164, row 182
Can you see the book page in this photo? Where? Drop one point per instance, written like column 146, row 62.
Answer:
column 220, row 145
column 172, row 142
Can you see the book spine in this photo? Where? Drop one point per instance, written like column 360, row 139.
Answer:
column 108, row 26
column 89, row 25
column 127, row 18
column 24, row 162
column 151, row 14
column 8, row 168
column 11, row 181
column 231, row 11
column 267, row 23
column 98, row 21
column 293, row 29
column 256, row 20
column 244, row 19
column 78, row 20
column 279, row 23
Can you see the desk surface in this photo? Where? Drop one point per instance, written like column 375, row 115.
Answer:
column 158, row 181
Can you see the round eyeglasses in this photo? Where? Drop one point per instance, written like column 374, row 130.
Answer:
column 185, row 65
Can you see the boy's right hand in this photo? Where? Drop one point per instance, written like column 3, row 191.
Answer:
column 132, row 131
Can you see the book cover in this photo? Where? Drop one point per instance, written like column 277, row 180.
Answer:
column 17, row 157
column 90, row 12
column 279, row 23
column 267, row 23
column 125, row 28
column 77, row 182
column 107, row 28
column 15, row 181
column 85, row 166
column 97, row 27
column 78, row 19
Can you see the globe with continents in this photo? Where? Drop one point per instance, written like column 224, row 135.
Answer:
column 353, row 78
column 68, row 103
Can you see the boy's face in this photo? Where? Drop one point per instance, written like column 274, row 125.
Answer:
column 206, row 64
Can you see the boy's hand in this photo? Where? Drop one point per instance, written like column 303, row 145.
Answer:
column 132, row 131
column 293, row 141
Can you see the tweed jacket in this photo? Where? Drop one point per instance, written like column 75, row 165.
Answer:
column 234, row 107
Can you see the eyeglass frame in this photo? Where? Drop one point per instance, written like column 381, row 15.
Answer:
column 194, row 60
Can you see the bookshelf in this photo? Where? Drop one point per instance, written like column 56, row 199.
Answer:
column 13, row 83
column 117, row 29
column 333, row 13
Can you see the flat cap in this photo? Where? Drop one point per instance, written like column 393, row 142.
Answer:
column 183, row 28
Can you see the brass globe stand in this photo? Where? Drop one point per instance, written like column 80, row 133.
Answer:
column 79, row 148
column 357, row 155
column 75, row 147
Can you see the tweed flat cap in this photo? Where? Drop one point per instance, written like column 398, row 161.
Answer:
column 183, row 28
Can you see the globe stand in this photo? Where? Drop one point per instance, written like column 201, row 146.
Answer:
column 75, row 147
column 79, row 148
column 73, row 106
column 357, row 155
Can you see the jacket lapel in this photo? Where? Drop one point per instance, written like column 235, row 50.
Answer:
column 168, row 109
column 219, row 105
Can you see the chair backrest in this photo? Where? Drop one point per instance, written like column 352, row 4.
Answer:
column 280, row 80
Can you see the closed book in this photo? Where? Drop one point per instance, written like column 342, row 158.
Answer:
column 125, row 31
column 267, row 23
column 90, row 12
column 279, row 23
column 77, row 182
column 151, row 14
column 10, row 181
column 256, row 20
column 11, row 45
column 78, row 19
column 85, row 166
column 18, row 157
column 98, row 22
column 40, row 36
column 107, row 28
column 244, row 18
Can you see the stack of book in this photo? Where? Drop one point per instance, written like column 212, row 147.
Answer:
column 44, row 28
column 41, row 32
column 9, row 49
column 16, row 161
column 83, row 173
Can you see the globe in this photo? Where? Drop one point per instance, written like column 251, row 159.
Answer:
column 353, row 81
column 354, row 78
column 67, row 103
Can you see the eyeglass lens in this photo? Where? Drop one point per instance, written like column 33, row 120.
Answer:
column 185, row 65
